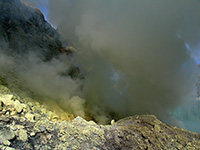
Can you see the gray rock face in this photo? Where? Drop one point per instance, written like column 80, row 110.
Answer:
column 24, row 29
column 26, row 38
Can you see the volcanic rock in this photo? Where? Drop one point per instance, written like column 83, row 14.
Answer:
column 6, row 135
column 24, row 33
column 18, row 106
column 135, row 132
column 23, row 135
column 24, row 29
column 6, row 99
column 30, row 117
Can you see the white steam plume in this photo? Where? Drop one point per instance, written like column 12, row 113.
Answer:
column 47, row 80
column 133, row 52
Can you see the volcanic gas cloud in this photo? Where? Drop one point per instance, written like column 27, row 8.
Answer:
column 135, row 56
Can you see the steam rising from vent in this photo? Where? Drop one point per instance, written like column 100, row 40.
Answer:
column 132, row 53
column 45, row 79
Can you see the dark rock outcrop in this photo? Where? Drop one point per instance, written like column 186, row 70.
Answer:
column 24, row 29
column 25, row 34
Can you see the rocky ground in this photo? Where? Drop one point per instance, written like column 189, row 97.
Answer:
column 26, row 124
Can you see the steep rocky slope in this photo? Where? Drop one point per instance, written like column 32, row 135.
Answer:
column 26, row 38
column 26, row 124
column 24, row 29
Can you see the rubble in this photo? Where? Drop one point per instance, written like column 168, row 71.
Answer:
column 31, row 129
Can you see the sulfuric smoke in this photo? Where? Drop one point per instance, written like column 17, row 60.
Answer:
column 135, row 56
column 133, row 53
